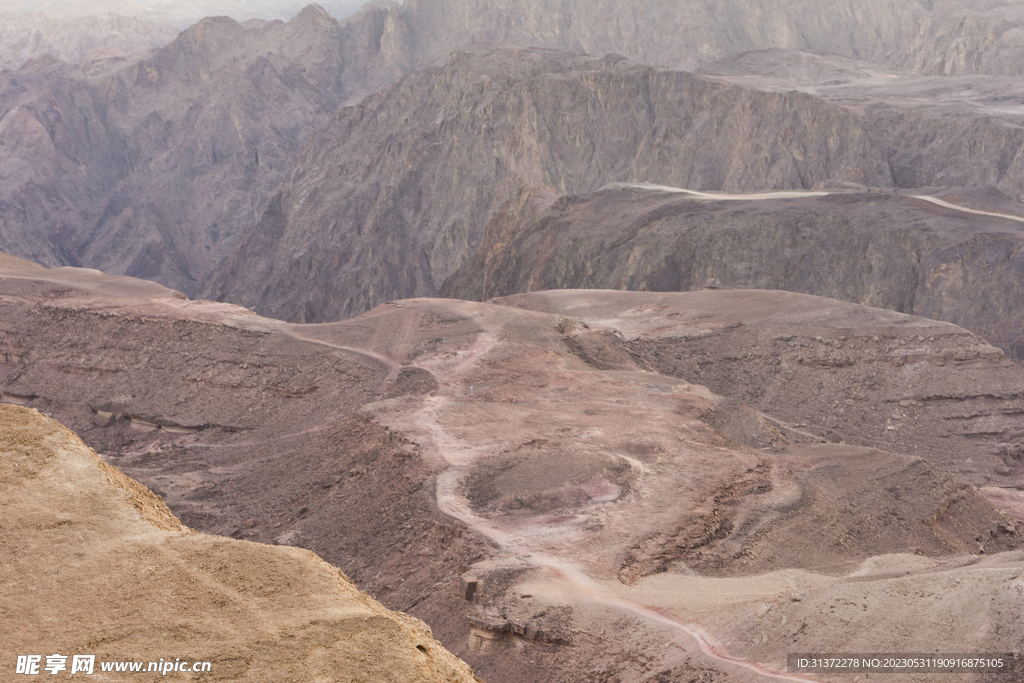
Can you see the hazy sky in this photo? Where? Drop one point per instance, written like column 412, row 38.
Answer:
column 181, row 13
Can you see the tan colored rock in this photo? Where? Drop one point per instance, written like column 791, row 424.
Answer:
column 94, row 564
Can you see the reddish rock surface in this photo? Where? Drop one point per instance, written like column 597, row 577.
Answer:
column 617, row 519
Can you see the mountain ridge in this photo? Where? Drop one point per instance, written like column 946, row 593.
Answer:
column 140, row 166
column 358, row 221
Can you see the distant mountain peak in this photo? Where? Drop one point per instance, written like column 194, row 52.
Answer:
column 207, row 22
column 313, row 13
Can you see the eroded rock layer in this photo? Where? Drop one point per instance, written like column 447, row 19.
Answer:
column 890, row 251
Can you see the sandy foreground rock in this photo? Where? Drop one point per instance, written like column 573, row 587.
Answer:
column 95, row 564
column 552, row 490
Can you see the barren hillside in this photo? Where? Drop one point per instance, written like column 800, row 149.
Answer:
column 896, row 251
column 614, row 517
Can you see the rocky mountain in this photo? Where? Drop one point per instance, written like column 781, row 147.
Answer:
column 389, row 198
column 586, row 484
column 152, row 167
column 178, row 13
column 95, row 564
column 931, row 36
column 394, row 197
column 28, row 36
column 615, row 517
column 927, row 36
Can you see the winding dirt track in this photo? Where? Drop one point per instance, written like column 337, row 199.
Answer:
column 754, row 196
column 794, row 194
column 964, row 209
column 563, row 578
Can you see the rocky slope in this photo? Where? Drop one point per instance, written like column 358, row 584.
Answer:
column 95, row 564
column 393, row 198
column 889, row 251
column 777, row 345
column 389, row 198
column 937, row 37
column 178, row 13
column 246, row 430
column 968, row 38
column 614, row 518
column 151, row 167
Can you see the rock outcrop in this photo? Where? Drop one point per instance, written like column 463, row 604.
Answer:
column 885, row 250
column 94, row 564
column 833, row 371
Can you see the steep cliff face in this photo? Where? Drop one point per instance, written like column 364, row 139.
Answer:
column 951, row 131
column 888, row 251
column 984, row 37
column 152, row 167
column 391, row 198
